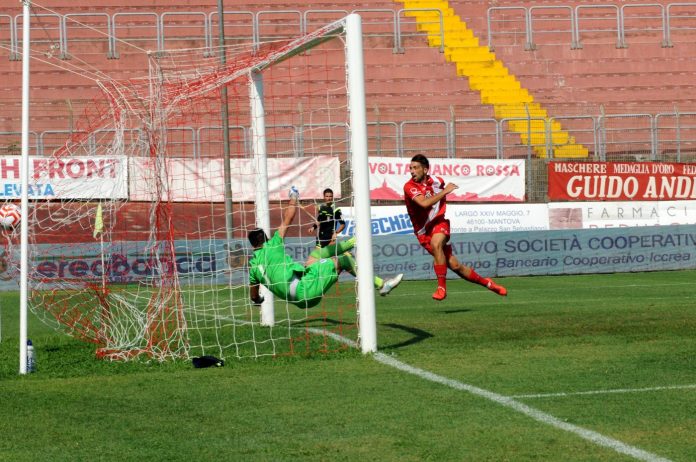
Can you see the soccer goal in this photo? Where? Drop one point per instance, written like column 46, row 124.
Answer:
column 142, row 248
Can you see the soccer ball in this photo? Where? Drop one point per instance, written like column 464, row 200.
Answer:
column 10, row 216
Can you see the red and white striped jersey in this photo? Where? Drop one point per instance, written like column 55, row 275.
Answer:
column 421, row 217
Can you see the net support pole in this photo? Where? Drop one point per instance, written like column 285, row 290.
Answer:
column 258, row 147
column 24, row 221
column 361, row 183
column 224, row 116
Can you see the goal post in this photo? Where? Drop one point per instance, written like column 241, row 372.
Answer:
column 361, row 182
column 258, row 149
column 162, row 278
column 359, row 153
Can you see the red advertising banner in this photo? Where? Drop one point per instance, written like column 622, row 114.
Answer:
column 617, row 181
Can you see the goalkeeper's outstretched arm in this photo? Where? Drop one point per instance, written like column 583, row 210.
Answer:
column 289, row 211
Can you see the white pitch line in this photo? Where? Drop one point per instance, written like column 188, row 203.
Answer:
column 601, row 392
column 592, row 436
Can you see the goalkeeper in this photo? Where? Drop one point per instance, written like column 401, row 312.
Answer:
column 301, row 285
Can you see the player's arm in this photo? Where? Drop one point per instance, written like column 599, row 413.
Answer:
column 289, row 212
column 313, row 228
column 255, row 294
column 426, row 202
column 341, row 222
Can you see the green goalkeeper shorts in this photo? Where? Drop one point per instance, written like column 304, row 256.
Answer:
column 316, row 281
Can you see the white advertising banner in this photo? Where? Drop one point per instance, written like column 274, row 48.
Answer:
column 479, row 180
column 585, row 215
column 202, row 180
column 66, row 178
column 497, row 217
column 464, row 218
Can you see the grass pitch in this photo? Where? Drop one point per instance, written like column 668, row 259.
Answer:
column 614, row 354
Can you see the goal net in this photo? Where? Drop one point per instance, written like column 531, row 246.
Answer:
column 142, row 246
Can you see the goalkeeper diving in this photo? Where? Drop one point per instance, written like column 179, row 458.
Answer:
column 301, row 285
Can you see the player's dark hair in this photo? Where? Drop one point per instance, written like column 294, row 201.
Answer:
column 257, row 237
column 421, row 159
column 328, row 190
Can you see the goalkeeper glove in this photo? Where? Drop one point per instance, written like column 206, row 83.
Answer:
column 294, row 193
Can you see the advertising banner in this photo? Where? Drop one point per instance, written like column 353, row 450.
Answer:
column 202, row 180
column 546, row 252
column 66, row 178
column 391, row 219
column 464, row 218
column 579, row 215
column 473, row 218
column 621, row 181
column 479, row 180
column 491, row 254
column 120, row 262
column 202, row 262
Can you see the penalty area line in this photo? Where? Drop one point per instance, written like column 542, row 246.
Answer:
column 511, row 403
column 603, row 392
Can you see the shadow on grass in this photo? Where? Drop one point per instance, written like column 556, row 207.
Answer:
column 463, row 310
column 418, row 335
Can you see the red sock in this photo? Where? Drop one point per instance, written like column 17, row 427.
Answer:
column 441, row 273
column 475, row 277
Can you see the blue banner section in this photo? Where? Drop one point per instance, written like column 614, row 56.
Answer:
column 520, row 253
column 548, row 252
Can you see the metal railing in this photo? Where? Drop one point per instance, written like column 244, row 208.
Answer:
column 152, row 30
column 520, row 24
column 662, row 137
column 69, row 21
column 8, row 35
column 602, row 22
column 640, row 136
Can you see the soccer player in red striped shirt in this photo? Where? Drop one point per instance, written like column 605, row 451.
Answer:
column 426, row 201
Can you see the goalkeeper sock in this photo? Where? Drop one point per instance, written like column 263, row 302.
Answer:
column 441, row 273
column 336, row 249
column 348, row 263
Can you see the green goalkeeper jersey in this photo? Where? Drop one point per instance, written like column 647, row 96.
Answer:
column 274, row 268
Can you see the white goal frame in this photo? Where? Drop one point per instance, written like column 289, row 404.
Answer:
column 352, row 26
column 350, row 29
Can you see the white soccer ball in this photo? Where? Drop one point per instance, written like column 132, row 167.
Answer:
column 10, row 216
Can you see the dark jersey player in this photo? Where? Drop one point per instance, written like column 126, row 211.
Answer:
column 328, row 217
column 426, row 202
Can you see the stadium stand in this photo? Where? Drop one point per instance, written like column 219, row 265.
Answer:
column 577, row 60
